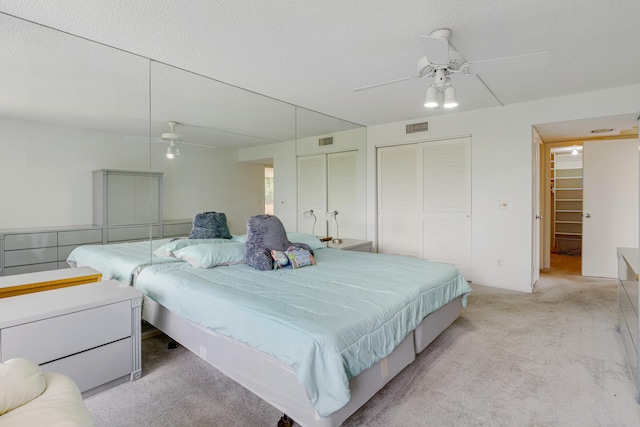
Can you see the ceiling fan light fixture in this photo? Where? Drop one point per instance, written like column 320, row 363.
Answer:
column 450, row 97
column 431, row 100
column 172, row 151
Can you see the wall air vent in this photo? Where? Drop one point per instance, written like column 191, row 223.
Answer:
column 418, row 127
column 325, row 141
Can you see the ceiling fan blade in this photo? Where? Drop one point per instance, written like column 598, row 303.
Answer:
column 358, row 89
column 508, row 64
column 436, row 49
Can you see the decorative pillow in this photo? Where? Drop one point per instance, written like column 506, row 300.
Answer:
column 300, row 257
column 209, row 255
column 210, row 225
column 280, row 259
column 264, row 234
column 166, row 250
column 312, row 241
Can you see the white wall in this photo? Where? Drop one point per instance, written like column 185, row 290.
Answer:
column 209, row 179
column 501, row 171
column 284, row 157
column 47, row 179
column 46, row 171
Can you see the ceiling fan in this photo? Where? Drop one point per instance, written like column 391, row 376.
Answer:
column 442, row 60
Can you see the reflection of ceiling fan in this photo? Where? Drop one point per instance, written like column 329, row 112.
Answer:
column 172, row 138
column 442, row 60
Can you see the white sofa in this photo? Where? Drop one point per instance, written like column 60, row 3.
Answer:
column 29, row 397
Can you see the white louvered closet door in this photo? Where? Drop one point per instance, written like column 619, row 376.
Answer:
column 446, row 202
column 342, row 194
column 312, row 193
column 424, row 201
column 397, row 200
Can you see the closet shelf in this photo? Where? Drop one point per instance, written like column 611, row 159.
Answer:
column 567, row 202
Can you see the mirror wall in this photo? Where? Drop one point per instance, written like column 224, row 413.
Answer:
column 70, row 107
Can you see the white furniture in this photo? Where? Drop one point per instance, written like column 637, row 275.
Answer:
column 29, row 397
column 127, row 203
column 30, row 250
column 628, row 303
column 90, row 333
column 43, row 249
column 351, row 245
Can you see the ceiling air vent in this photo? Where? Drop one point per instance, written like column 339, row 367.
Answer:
column 325, row 141
column 418, row 127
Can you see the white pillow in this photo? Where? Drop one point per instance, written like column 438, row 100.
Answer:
column 166, row 250
column 21, row 381
column 311, row 240
column 209, row 255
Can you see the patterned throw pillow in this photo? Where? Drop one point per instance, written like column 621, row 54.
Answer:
column 280, row 259
column 299, row 257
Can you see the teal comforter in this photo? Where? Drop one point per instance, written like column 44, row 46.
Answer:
column 118, row 261
column 329, row 321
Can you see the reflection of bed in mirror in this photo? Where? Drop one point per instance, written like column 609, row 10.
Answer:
column 314, row 342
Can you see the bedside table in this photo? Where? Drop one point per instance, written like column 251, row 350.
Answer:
column 352, row 245
column 91, row 332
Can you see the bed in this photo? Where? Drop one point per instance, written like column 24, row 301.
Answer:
column 315, row 342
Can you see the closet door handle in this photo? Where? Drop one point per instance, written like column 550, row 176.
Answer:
column 587, row 215
column 538, row 217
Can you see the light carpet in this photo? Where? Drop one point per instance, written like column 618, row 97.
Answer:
column 551, row 358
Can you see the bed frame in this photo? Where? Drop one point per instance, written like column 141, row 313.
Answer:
column 276, row 382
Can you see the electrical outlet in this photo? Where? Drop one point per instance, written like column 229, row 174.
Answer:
column 499, row 262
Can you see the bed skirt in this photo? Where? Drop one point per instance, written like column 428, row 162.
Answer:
column 276, row 382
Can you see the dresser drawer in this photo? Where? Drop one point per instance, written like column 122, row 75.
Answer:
column 32, row 268
column 30, row 256
column 177, row 229
column 132, row 233
column 79, row 237
column 30, row 240
column 46, row 340
column 95, row 367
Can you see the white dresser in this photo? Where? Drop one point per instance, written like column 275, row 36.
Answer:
column 628, row 303
column 89, row 332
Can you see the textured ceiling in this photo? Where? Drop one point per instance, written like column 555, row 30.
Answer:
column 313, row 53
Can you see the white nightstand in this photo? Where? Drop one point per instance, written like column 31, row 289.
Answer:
column 352, row 245
column 90, row 333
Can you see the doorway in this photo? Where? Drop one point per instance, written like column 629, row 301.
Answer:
column 565, row 213
column 606, row 130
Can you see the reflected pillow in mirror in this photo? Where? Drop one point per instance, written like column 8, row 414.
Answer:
column 209, row 255
column 166, row 250
column 210, row 225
